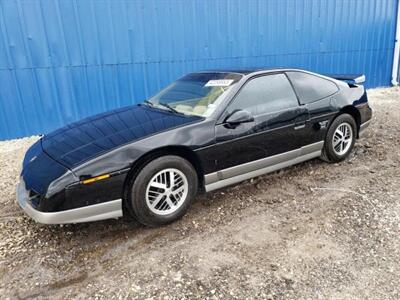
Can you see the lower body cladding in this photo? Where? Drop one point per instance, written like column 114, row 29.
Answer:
column 113, row 209
column 262, row 166
column 363, row 126
column 106, row 210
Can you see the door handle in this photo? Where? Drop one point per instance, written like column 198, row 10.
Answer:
column 300, row 126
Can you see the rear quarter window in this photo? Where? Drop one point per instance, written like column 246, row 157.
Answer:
column 310, row 88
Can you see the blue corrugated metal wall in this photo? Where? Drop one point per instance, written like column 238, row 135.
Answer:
column 62, row 60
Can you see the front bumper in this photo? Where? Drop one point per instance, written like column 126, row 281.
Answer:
column 107, row 210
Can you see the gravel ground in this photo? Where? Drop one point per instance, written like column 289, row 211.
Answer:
column 312, row 231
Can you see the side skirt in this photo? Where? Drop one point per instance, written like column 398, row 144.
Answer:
column 262, row 166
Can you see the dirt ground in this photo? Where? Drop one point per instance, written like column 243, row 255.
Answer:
column 312, row 231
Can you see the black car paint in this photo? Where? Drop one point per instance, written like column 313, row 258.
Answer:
column 39, row 170
column 217, row 146
column 78, row 142
column 266, row 136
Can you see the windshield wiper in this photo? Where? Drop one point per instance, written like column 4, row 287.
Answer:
column 166, row 105
column 170, row 107
column 148, row 102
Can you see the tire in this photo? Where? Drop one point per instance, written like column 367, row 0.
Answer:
column 336, row 148
column 153, row 200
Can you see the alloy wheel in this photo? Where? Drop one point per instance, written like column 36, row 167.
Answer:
column 342, row 139
column 166, row 191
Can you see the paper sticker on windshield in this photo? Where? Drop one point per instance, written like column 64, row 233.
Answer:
column 219, row 82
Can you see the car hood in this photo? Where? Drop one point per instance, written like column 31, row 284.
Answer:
column 80, row 141
column 39, row 171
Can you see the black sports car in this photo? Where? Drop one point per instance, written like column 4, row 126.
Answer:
column 205, row 131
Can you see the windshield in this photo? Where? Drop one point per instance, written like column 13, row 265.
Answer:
column 195, row 94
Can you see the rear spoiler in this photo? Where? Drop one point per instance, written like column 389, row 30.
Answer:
column 354, row 79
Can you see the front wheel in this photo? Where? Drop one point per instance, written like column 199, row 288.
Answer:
column 340, row 138
column 163, row 190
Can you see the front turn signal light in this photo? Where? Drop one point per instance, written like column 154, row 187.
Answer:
column 94, row 179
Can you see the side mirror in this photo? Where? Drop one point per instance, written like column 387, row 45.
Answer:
column 238, row 117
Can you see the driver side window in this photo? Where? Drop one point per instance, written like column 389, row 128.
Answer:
column 265, row 94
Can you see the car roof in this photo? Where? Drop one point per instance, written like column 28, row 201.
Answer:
column 247, row 71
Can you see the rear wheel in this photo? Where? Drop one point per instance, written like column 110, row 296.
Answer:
column 163, row 190
column 340, row 138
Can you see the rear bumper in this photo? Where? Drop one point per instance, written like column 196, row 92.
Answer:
column 366, row 117
column 363, row 126
column 96, row 212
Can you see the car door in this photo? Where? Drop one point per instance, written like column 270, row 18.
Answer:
column 275, row 133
